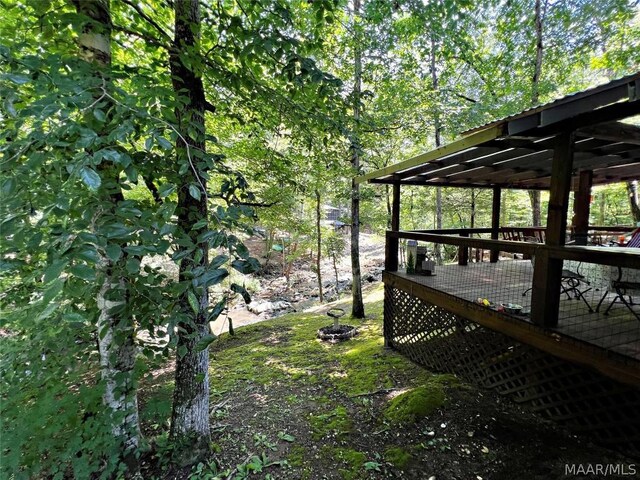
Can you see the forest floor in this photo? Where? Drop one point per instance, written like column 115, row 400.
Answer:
column 288, row 406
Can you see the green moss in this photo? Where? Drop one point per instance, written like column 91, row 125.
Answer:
column 398, row 456
column 415, row 404
column 336, row 422
column 296, row 456
column 350, row 460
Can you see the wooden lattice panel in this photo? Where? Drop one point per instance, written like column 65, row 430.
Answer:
column 583, row 400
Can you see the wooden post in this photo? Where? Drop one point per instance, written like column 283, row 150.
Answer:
column 547, row 274
column 463, row 252
column 581, row 205
column 495, row 222
column 391, row 247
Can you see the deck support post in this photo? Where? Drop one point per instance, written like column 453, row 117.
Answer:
column 581, row 207
column 391, row 250
column 463, row 252
column 547, row 274
column 495, row 222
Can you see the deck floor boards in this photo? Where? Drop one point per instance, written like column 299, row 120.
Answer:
column 507, row 282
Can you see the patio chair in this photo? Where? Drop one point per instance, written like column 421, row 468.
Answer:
column 571, row 283
column 626, row 284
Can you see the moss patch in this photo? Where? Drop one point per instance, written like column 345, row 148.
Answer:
column 398, row 456
column 416, row 404
column 351, row 461
column 336, row 422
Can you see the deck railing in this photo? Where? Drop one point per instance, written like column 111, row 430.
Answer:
column 583, row 307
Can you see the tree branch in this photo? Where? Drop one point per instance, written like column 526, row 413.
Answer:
column 150, row 20
column 143, row 36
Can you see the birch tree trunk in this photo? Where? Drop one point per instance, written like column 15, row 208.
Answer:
column 190, row 416
column 357, row 308
column 116, row 344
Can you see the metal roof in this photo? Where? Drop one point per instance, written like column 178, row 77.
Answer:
column 517, row 151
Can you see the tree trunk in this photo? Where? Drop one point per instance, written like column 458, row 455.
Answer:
column 115, row 334
column 438, row 140
column 335, row 272
column 534, row 195
column 319, row 233
column 190, row 415
column 357, row 308
column 632, row 190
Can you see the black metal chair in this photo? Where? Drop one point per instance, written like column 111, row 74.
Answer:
column 570, row 281
column 623, row 288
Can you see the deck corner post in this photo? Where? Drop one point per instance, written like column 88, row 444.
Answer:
column 547, row 271
column 495, row 222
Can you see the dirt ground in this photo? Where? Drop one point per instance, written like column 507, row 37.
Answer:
column 288, row 406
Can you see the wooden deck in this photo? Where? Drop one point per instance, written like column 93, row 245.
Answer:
column 507, row 282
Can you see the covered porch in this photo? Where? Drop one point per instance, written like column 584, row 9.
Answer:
column 569, row 313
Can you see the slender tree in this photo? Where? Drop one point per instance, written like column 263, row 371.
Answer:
column 190, row 415
column 539, row 11
column 114, row 326
column 357, row 306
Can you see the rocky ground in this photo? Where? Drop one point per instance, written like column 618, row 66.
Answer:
column 273, row 297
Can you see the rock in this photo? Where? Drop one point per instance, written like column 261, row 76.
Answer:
column 265, row 307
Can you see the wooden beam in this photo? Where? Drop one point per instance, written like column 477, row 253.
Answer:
column 449, row 161
column 612, row 131
column 610, row 364
column 545, row 294
column 454, row 147
column 582, row 198
column 495, row 222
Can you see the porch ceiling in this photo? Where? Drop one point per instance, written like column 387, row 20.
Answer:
column 517, row 151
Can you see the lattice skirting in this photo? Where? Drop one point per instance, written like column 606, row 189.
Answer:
column 583, row 400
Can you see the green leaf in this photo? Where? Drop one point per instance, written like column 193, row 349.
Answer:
column 133, row 265
column 217, row 310
column 182, row 351
column 164, row 143
column 84, row 272
column 46, row 313
column 286, row 437
column 199, row 378
column 242, row 291
column 113, row 252
column 210, row 277
column 166, row 189
column 53, row 290
column 8, row 187
column 100, row 116
column 54, row 270
column 250, row 265
column 194, row 191
column 218, row 261
column 204, row 342
column 90, row 178
column 193, row 302
column 17, row 79
column 148, row 143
